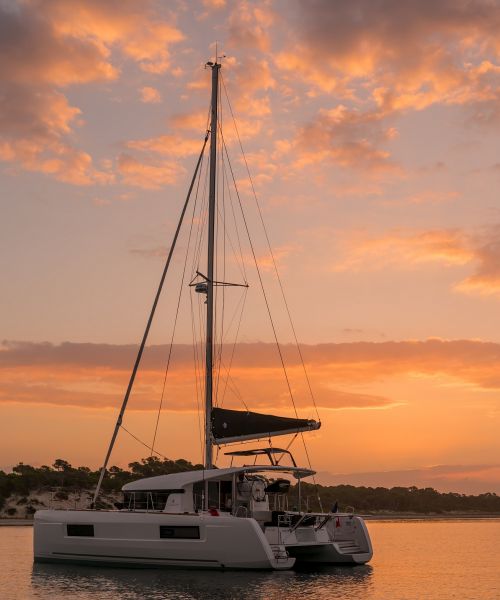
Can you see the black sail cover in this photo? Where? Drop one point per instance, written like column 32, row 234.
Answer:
column 238, row 425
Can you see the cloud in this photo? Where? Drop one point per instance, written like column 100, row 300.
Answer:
column 216, row 4
column 35, row 117
column 138, row 31
column 96, row 374
column 46, row 46
column 33, row 127
column 248, row 81
column 403, row 247
column 384, row 59
column 347, row 137
column 486, row 278
column 169, row 145
column 33, row 53
column 148, row 174
column 448, row 247
column 248, row 26
column 150, row 95
column 416, row 52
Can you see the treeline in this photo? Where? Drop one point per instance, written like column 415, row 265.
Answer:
column 397, row 499
column 26, row 479
column 61, row 475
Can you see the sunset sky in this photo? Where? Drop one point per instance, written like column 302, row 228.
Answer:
column 371, row 129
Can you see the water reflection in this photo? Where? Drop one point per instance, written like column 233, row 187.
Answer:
column 62, row 581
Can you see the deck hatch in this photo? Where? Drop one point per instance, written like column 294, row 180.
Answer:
column 180, row 532
column 79, row 529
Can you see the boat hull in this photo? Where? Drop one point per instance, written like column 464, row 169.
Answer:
column 343, row 540
column 133, row 539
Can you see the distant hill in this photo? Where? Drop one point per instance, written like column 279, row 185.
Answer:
column 472, row 479
column 28, row 488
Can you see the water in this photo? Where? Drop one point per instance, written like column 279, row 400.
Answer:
column 413, row 560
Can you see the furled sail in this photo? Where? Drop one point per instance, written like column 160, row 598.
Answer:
column 239, row 425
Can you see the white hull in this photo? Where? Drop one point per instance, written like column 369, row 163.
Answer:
column 133, row 539
column 349, row 544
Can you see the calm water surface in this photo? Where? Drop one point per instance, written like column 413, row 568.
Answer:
column 413, row 560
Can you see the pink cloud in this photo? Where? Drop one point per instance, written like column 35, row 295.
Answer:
column 47, row 46
column 147, row 173
column 150, row 95
column 450, row 247
column 96, row 374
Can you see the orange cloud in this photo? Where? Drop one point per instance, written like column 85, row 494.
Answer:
column 384, row 59
column 170, row 145
column 148, row 174
column 449, row 247
column 248, row 25
column 407, row 248
column 96, row 374
column 138, row 30
column 32, row 131
column 347, row 137
column 48, row 45
column 419, row 57
column 150, row 95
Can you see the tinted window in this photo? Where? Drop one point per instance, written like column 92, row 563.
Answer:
column 185, row 532
column 148, row 500
column 81, row 530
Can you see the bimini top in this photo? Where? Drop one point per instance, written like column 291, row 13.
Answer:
column 176, row 481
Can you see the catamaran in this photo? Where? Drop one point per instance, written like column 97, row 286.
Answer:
column 236, row 517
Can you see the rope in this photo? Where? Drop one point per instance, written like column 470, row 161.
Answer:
column 148, row 327
column 143, row 443
column 271, row 253
column 177, row 311
column 261, row 284
column 244, row 298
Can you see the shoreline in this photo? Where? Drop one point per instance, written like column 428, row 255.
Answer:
column 16, row 522
column 8, row 522
column 429, row 517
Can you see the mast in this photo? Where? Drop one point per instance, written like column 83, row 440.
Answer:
column 210, row 268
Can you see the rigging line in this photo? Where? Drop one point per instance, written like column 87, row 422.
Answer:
column 243, row 274
column 197, row 374
column 272, row 255
column 222, row 215
column 148, row 326
column 244, row 298
column 242, row 265
column 232, row 385
column 143, row 443
column 201, row 219
column 262, row 287
column 236, row 311
column 201, row 222
column 176, row 315
column 201, row 209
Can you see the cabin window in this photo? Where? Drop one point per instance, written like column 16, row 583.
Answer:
column 219, row 495
column 180, row 532
column 80, row 530
column 148, row 500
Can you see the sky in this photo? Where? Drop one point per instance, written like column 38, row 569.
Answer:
column 371, row 131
